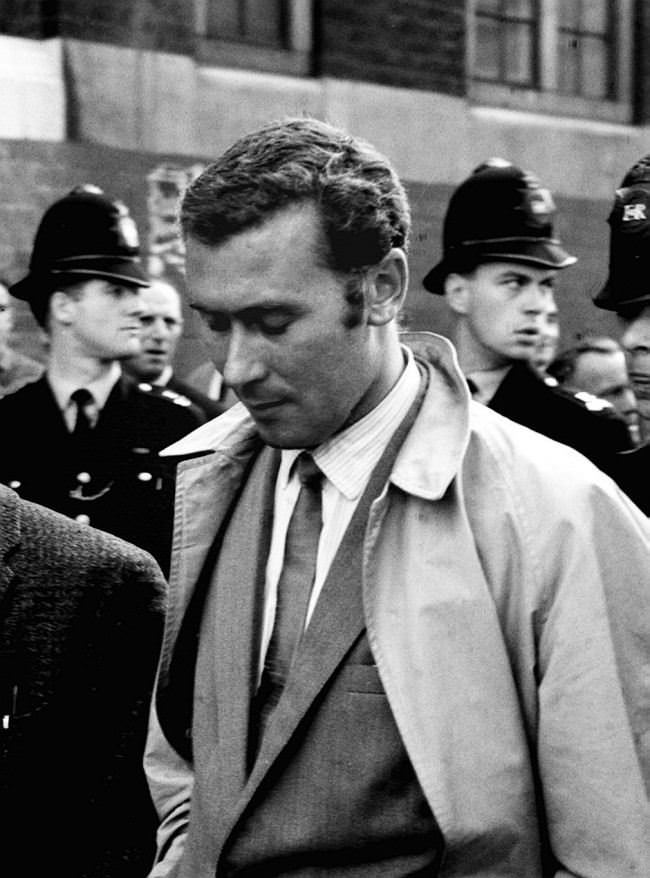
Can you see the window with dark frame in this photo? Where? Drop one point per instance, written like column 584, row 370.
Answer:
column 586, row 48
column 563, row 47
column 257, row 22
column 507, row 42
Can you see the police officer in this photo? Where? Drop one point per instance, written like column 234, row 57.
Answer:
column 84, row 439
column 162, row 327
column 500, row 258
column 627, row 292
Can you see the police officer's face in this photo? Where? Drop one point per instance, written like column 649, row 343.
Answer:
column 604, row 373
column 104, row 319
column 162, row 325
column 636, row 342
column 277, row 330
column 503, row 307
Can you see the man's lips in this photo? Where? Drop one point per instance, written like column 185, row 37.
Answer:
column 529, row 336
column 641, row 384
column 260, row 406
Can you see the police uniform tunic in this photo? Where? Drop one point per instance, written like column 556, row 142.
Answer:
column 113, row 479
column 523, row 397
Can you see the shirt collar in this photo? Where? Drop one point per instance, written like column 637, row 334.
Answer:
column 163, row 379
column 348, row 458
column 63, row 388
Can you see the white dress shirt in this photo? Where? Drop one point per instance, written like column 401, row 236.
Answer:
column 63, row 388
column 346, row 461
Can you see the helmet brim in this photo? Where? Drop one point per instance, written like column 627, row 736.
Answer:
column 608, row 300
column 121, row 271
column 546, row 253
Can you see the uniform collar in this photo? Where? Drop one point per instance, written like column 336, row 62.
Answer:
column 63, row 387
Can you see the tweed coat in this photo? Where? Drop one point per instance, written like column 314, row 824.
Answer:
column 116, row 482
column 80, row 626
column 506, row 592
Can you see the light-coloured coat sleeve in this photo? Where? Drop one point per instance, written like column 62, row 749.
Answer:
column 170, row 780
column 575, row 612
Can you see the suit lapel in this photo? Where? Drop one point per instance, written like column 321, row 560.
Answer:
column 233, row 616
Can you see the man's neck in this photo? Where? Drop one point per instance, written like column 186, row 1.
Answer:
column 474, row 357
column 80, row 370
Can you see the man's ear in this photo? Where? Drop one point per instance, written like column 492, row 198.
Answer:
column 61, row 307
column 457, row 292
column 387, row 283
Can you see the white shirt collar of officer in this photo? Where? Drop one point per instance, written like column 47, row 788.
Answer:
column 63, row 387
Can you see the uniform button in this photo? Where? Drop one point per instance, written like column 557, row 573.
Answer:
column 83, row 478
column 82, row 519
column 15, row 484
column 145, row 477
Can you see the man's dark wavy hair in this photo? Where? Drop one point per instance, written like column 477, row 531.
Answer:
column 362, row 204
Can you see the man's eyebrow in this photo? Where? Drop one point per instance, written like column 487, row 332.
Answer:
column 251, row 311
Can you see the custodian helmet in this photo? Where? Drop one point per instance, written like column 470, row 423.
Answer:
column 628, row 282
column 500, row 212
column 84, row 235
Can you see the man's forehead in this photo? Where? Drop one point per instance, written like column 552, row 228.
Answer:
column 161, row 300
column 523, row 269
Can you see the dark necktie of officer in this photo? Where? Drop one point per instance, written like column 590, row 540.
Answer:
column 82, row 398
column 294, row 588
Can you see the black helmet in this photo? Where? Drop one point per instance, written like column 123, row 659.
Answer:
column 498, row 213
column 84, row 234
column 628, row 282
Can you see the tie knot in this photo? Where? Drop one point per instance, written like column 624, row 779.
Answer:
column 81, row 397
column 308, row 470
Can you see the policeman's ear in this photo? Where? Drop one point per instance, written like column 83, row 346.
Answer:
column 62, row 307
column 457, row 292
column 387, row 283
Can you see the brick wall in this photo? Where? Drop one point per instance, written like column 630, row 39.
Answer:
column 413, row 44
column 149, row 24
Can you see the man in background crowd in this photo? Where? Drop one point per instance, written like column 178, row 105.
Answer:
column 497, row 273
column 162, row 327
column 84, row 439
column 549, row 337
column 406, row 635
column 81, row 617
column 627, row 292
column 595, row 369
column 16, row 368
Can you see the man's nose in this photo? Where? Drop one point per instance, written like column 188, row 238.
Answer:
column 159, row 328
column 535, row 299
column 243, row 362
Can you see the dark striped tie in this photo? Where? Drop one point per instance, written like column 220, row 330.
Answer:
column 294, row 588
